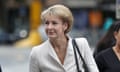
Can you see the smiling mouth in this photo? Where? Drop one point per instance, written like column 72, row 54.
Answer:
column 50, row 33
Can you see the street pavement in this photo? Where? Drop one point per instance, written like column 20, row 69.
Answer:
column 14, row 59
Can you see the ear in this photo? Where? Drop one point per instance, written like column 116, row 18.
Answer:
column 65, row 26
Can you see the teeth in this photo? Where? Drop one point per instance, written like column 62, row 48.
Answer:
column 50, row 31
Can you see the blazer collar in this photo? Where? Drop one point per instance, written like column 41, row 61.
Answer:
column 53, row 54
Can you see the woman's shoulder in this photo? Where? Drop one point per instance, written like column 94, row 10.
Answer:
column 39, row 50
column 104, row 53
column 82, row 44
column 104, row 57
column 81, row 40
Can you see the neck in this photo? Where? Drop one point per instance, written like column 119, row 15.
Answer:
column 117, row 48
column 59, row 43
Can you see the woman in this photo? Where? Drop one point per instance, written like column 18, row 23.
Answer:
column 109, row 60
column 56, row 54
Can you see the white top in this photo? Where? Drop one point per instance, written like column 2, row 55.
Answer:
column 43, row 58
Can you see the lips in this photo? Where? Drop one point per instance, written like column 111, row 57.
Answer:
column 50, row 32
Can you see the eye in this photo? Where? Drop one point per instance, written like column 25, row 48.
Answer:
column 46, row 22
column 54, row 22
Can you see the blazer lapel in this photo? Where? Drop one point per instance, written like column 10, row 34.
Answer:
column 52, row 53
column 70, row 54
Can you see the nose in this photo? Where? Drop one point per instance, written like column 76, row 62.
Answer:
column 50, row 26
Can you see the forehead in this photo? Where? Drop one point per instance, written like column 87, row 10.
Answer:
column 52, row 17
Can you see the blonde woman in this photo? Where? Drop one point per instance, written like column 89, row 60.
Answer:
column 56, row 54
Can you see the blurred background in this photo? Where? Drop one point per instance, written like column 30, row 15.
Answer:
column 21, row 28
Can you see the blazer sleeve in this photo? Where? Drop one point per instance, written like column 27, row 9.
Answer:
column 87, row 54
column 33, row 64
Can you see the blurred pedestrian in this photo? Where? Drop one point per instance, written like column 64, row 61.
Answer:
column 57, row 53
column 106, row 41
column 109, row 60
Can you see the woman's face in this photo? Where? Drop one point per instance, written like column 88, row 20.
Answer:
column 54, row 27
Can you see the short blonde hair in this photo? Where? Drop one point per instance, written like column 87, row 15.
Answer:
column 62, row 12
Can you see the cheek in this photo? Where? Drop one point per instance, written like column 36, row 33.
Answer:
column 118, row 37
column 60, row 28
